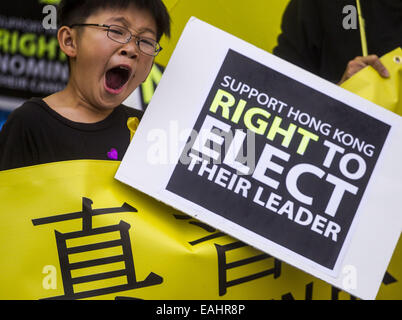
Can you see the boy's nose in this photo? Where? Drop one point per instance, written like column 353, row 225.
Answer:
column 130, row 50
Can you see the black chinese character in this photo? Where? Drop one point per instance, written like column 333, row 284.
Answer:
column 123, row 242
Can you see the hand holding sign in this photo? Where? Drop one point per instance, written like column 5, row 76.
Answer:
column 359, row 63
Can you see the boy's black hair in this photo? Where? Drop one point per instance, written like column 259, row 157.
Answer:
column 77, row 11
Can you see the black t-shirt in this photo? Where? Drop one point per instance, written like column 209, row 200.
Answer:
column 314, row 37
column 35, row 134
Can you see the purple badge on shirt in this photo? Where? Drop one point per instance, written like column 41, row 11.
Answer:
column 113, row 154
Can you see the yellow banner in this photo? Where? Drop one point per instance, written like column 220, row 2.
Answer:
column 258, row 22
column 71, row 231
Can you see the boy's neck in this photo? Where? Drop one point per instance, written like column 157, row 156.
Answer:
column 69, row 104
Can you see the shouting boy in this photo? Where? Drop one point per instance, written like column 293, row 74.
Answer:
column 111, row 45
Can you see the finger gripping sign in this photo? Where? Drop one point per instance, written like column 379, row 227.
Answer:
column 274, row 156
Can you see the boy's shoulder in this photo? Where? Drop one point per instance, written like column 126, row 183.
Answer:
column 36, row 110
column 28, row 110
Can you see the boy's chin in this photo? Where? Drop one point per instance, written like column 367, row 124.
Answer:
column 114, row 97
column 117, row 96
column 113, row 101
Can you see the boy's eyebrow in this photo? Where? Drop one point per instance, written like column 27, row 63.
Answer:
column 125, row 23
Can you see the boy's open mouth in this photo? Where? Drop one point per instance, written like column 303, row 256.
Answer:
column 117, row 77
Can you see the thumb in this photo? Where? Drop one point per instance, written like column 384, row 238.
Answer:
column 376, row 63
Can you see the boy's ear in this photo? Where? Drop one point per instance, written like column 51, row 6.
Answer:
column 67, row 41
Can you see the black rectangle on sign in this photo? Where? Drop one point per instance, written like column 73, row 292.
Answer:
column 280, row 159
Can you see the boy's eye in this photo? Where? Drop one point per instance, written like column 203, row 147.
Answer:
column 147, row 42
column 116, row 31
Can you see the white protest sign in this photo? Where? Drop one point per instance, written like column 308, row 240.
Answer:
column 274, row 156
